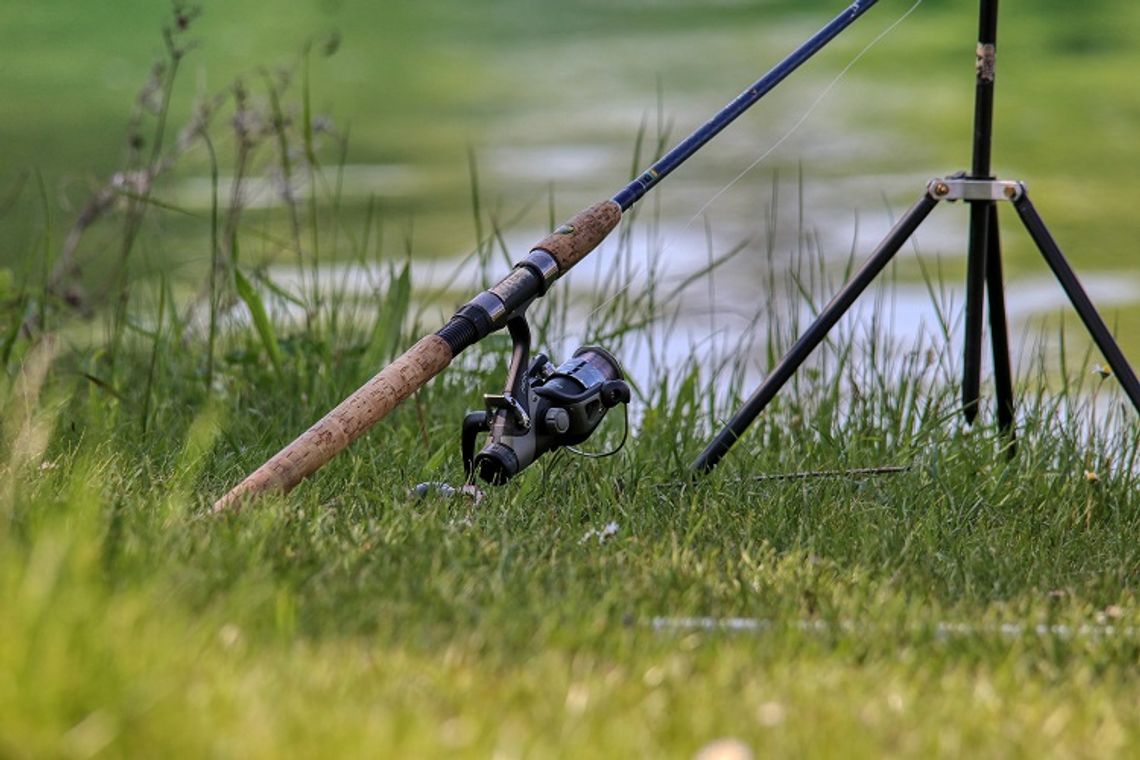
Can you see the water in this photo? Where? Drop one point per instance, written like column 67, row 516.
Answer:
column 715, row 313
column 556, row 114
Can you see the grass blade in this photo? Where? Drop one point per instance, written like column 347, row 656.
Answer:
column 261, row 322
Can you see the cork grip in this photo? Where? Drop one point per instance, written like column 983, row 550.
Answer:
column 344, row 424
column 581, row 234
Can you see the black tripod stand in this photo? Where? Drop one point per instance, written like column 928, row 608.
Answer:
column 983, row 192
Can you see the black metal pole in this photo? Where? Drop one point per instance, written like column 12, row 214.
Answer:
column 984, row 89
column 630, row 194
column 1077, row 296
column 815, row 334
column 981, row 215
column 975, row 305
column 999, row 329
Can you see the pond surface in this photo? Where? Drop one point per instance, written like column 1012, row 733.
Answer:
column 550, row 100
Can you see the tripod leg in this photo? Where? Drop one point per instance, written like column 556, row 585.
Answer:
column 1077, row 296
column 999, row 330
column 814, row 335
column 975, row 295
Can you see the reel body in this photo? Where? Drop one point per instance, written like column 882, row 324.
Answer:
column 542, row 408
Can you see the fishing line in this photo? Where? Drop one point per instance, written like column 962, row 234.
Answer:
column 806, row 115
column 774, row 147
column 766, row 154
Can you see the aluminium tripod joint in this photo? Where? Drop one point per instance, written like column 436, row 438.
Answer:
column 542, row 407
column 970, row 189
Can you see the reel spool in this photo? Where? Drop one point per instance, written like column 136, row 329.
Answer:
column 541, row 409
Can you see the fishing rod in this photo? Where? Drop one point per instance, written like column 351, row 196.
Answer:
column 571, row 398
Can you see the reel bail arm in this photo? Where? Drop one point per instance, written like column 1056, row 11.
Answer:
column 541, row 409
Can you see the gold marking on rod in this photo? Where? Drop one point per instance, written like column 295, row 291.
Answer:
column 987, row 62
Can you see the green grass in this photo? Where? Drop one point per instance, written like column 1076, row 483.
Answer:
column 349, row 618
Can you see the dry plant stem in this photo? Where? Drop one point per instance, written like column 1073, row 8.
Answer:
column 212, row 280
column 126, row 183
column 344, row 424
column 135, row 184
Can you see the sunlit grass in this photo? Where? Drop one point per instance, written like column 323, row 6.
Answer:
column 349, row 618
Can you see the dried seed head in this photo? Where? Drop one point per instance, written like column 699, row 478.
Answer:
column 322, row 124
column 184, row 15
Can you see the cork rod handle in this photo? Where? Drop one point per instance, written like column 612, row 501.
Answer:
column 344, row 424
column 581, row 234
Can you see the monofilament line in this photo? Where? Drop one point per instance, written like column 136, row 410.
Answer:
column 806, row 115
column 775, row 146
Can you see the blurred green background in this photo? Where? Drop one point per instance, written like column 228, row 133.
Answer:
column 549, row 98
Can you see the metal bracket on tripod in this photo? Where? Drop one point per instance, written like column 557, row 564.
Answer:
column 984, row 281
column 962, row 188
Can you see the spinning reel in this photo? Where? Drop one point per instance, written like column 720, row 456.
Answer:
column 542, row 408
